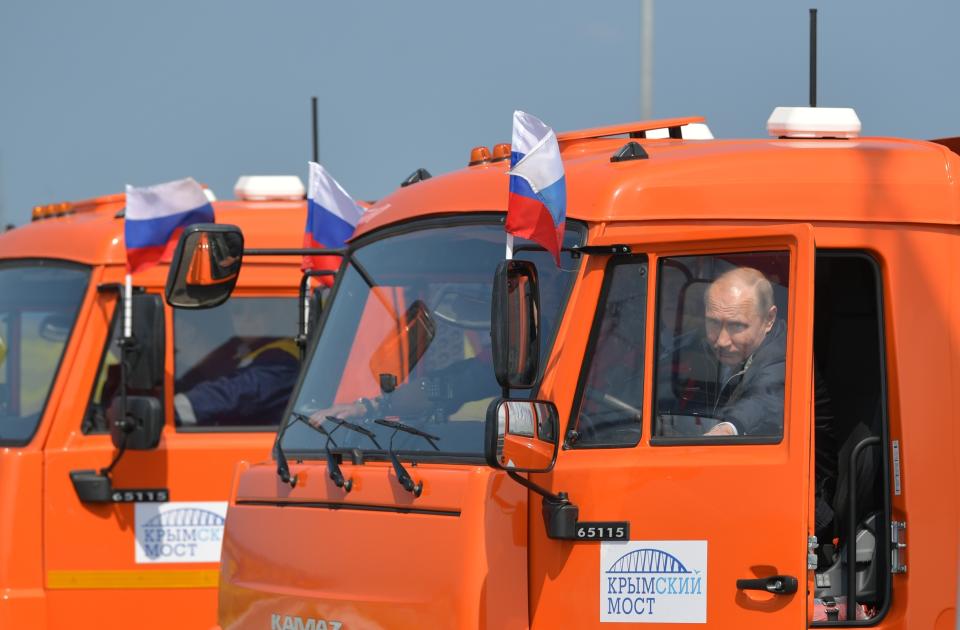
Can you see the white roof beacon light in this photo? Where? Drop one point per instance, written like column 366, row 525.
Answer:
column 269, row 188
column 813, row 122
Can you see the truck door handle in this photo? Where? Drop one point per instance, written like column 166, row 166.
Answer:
column 776, row 584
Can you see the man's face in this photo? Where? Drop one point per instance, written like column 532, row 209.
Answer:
column 735, row 326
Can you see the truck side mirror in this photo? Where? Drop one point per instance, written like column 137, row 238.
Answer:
column 515, row 324
column 142, row 427
column 205, row 266
column 147, row 356
column 522, row 435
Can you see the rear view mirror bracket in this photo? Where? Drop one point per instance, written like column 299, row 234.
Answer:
column 559, row 513
column 141, row 361
column 522, row 436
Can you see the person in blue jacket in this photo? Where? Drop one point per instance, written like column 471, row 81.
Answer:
column 252, row 392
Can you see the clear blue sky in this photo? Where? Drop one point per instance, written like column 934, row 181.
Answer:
column 94, row 95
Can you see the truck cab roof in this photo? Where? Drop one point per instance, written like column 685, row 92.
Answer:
column 862, row 179
column 91, row 231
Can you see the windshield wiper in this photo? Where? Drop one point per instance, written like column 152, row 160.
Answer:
column 406, row 428
column 333, row 467
column 356, row 427
column 406, row 481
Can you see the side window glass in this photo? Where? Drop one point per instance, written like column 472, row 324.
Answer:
column 611, row 397
column 106, row 388
column 236, row 364
column 721, row 346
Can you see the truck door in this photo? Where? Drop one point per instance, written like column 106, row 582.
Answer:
column 688, row 449
column 150, row 556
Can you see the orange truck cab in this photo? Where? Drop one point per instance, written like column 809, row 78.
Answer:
column 139, row 546
column 732, row 404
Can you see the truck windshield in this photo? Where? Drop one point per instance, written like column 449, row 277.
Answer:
column 39, row 301
column 408, row 338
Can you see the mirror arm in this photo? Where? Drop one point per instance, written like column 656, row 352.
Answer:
column 578, row 250
column 559, row 514
column 602, row 250
column 543, row 492
column 343, row 252
column 116, row 458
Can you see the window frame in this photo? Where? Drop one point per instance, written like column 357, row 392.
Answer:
column 732, row 440
column 643, row 259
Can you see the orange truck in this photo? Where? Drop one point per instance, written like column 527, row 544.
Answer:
column 138, row 546
column 733, row 403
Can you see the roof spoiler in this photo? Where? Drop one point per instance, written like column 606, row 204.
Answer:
column 951, row 143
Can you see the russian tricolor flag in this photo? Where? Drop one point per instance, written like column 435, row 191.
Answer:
column 537, row 208
column 332, row 215
column 156, row 215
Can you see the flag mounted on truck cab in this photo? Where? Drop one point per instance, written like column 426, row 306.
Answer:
column 537, row 208
column 332, row 216
column 155, row 217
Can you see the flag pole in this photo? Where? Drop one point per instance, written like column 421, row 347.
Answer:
column 128, row 307
column 509, row 246
column 316, row 132
column 306, row 308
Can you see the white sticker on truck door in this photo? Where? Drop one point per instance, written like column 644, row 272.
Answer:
column 653, row 581
column 179, row 532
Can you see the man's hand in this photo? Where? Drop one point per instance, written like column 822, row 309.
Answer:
column 723, row 428
column 342, row 411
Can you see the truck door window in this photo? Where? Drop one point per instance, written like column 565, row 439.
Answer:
column 721, row 346
column 611, row 392
column 107, row 386
column 39, row 302
column 236, row 364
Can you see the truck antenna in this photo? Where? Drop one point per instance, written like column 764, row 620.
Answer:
column 646, row 60
column 813, row 57
column 316, row 132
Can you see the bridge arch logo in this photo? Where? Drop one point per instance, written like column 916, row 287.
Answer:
column 653, row 581
column 179, row 532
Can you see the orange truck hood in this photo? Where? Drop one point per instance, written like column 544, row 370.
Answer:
column 316, row 557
